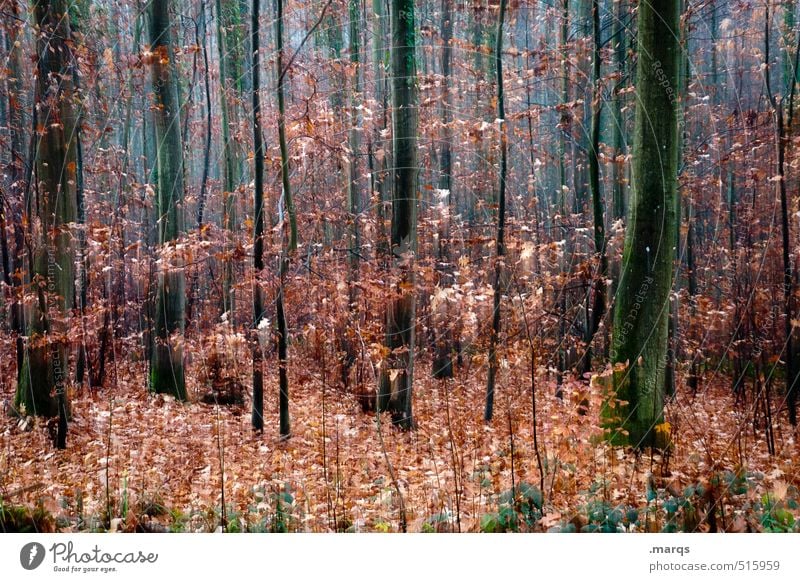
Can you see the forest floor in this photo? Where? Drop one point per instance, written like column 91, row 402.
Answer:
column 135, row 461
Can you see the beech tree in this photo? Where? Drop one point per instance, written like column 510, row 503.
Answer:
column 642, row 305
column 53, row 207
column 396, row 394
column 167, row 365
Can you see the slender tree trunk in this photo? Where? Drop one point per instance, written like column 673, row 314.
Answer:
column 694, row 379
column 673, row 328
column 290, row 240
column 353, row 195
column 281, row 90
column 560, row 201
column 788, row 281
column 598, row 210
column 166, row 364
column 15, row 92
column 379, row 156
column 793, row 388
column 500, row 244
column 202, row 38
column 231, row 45
column 444, row 332
column 790, row 73
column 257, row 418
column 642, row 308
column 620, row 58
column 82, row 278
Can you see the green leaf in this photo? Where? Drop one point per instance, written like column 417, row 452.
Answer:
column 490, row 523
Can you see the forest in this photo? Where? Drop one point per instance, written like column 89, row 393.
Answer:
column 399, row 266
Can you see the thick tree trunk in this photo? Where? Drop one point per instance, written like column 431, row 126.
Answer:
column 401, row 316
column 166, row 363
column 54, row 206
column 642, row 308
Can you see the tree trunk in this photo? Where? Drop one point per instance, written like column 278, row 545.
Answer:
column 620, row 57
column 401, row 316
column 353, row 198
column 788, row 280
column 230, row 41
column 598, row 211
column 500, row 248
column 166, row 363
column 281, row 90
column 257, row 418
column 53, row 206
column 16, row 175
column 379, row 157
column 642, row 308
column 444, row 332
column 290, row 239
column 560, row 200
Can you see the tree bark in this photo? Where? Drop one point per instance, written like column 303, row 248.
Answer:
column 166, row 364
column 290, row 239
column 230, row 41
column 788, row 278
column 15, row 93
column 52, row 206
column 401, row 316
column 500, row 248
column 642, row 308
column 443, row 344
column 598, row 210
column 257, row 417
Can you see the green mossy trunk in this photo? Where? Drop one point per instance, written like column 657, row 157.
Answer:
column 642, row 308
column 401, row 316
column 52, row 207
column 166, row 363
